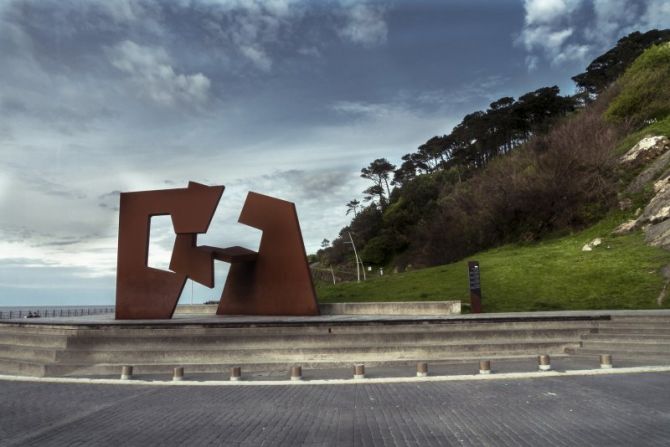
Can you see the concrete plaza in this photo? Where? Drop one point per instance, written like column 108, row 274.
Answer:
column 626, row 409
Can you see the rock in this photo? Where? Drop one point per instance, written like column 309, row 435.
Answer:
column 662, row 184
column 649, row 173
column 625, row 227
column 658, row 235
column 660, row 215
column 591, row 245
column 646, row 150
column 658, row 208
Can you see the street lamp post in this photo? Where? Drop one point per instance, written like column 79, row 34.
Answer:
column 358, row 261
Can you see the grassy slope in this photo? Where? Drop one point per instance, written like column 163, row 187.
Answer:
column 551, row 275
column 556, row 274
column 661, row 127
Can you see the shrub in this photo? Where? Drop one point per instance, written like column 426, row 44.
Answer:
column 563, row 180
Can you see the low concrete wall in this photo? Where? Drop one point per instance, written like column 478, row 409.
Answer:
column 409, row 308
column 393, row 308
column 201, row 309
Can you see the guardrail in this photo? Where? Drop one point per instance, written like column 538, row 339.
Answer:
column 54, row 313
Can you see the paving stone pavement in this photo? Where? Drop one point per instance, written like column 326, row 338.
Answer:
column 613, row 410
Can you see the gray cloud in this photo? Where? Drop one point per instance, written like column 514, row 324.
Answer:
column 560, row 31
column 109, row 200
column 364, row 24
column 150, row 69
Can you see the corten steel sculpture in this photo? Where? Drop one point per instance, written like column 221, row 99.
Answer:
column 142, row 291
column 275, row 281
column 279, row 281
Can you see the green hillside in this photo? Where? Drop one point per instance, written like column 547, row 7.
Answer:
column 622, row 273
column 538, row 203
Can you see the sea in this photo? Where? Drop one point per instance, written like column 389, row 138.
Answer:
column 7, row 312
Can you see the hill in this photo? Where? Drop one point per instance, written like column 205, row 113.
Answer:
column 535, row 188
column 554, row 274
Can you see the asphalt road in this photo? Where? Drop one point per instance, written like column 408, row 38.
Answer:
column 612, row 410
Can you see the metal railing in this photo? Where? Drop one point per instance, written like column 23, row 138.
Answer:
column 54, row 313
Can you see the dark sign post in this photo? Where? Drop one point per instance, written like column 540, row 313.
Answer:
column 475, row 287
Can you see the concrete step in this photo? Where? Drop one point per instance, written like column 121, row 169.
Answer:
column 626, row 337
column 324, row 340
column 659, row 356
column 10, row 366
column 618, row 325
column 29, row 353
column 114, row 369
column 656, row 319
column 37, row 329
column 17, row 338
column 616, row 346
column 357, row 353
column 633, row 330
column 344, row 327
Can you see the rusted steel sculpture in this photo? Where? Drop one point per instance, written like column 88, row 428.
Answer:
column 279, row 281
column 141, row 291
column 275, row 281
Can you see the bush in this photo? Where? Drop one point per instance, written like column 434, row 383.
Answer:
column 563, row 180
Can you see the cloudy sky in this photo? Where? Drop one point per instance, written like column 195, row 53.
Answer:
column 288, row 98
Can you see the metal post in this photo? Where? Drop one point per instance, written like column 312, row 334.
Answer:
column 126, row 372
column 296, row 373
column 544, row 362
column 358, row 262
column 475, row 287
column 178, row 373
column 236, row 373
column 606, row 361
column 421, row 369
column 485, row 367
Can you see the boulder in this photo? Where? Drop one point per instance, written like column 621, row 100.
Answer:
column 646, row 150
column 658, row 235
column 591, row 245
column 625, row 227
column 649, row 173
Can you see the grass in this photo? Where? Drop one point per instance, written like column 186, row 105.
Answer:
column 645, row 88
column 661, row 127
column 622, row 273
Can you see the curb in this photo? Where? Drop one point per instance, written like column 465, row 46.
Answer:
column 377, row 380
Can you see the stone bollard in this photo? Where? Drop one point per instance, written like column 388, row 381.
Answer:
column 178, row 374
column 235, row 373
column 126, row 372
column 421, row 369
column 296, row 373
column 359, row 371
column 605, row 361
column 485, row 367
column 543, row 362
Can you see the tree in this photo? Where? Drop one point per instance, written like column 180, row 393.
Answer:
column 325, row 243
column 352, row 207
column 378, row 172
column 605, row 69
